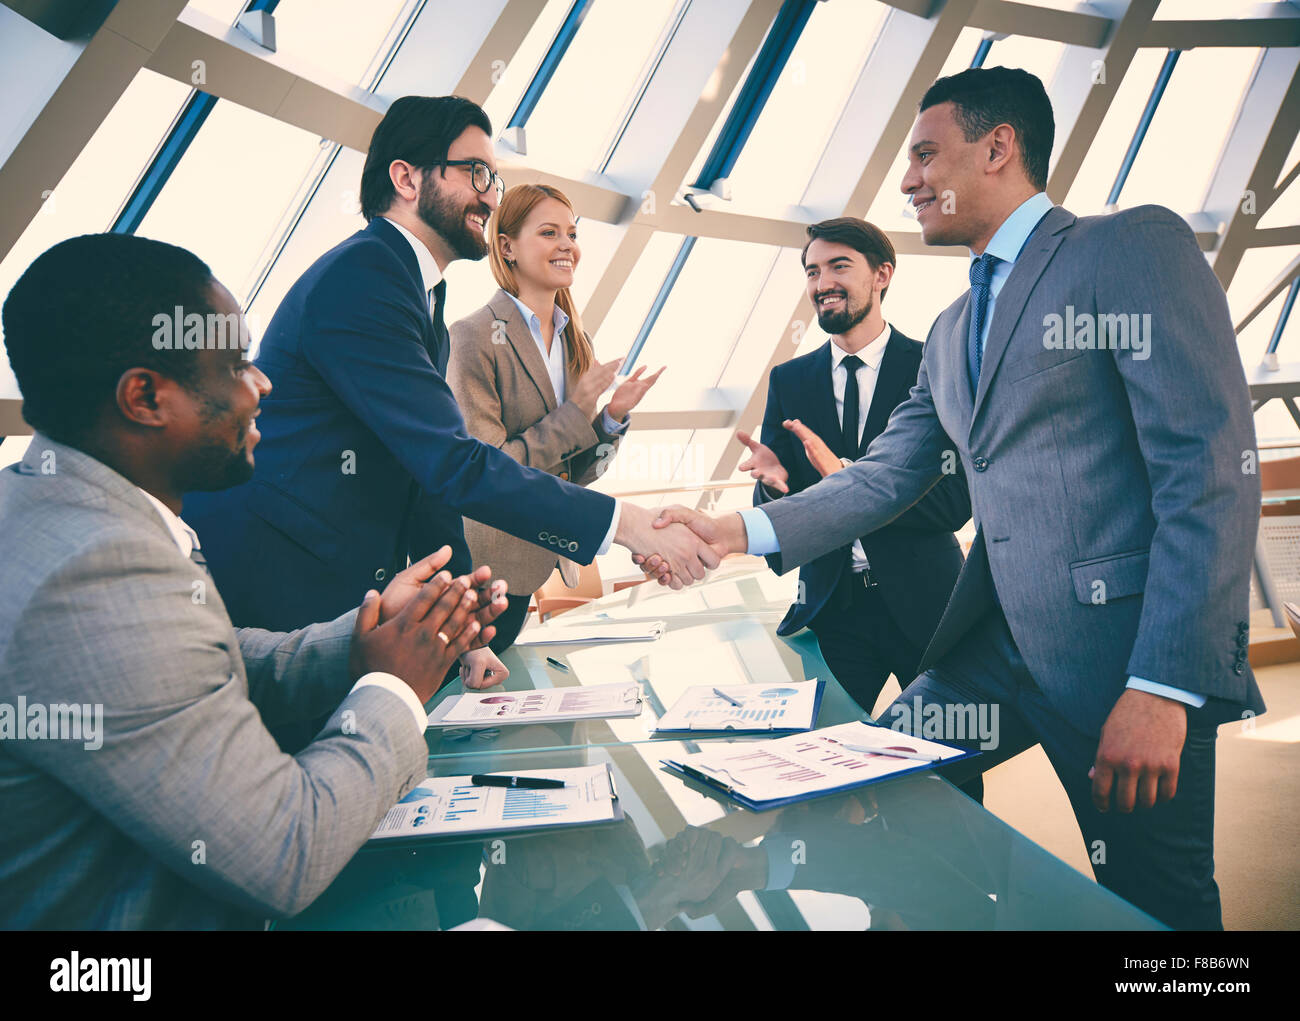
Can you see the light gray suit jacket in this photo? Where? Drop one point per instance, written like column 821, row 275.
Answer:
column 189, row 815
column 1116, row 496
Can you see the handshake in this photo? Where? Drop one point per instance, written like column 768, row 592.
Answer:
column 679, row 545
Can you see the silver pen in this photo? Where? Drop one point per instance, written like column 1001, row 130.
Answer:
column 722, row 694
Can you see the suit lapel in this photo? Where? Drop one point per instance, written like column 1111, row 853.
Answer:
column 1037, row 253
column 895, row 370
column 521, row 339
column 823, row 420
column 437, row 346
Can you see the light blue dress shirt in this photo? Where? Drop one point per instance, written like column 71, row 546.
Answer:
column 1006, row 245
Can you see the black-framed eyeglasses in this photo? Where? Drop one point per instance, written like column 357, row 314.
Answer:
column 480, row 175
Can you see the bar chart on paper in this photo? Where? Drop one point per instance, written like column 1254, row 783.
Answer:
column 452, row 805
column 744, row 708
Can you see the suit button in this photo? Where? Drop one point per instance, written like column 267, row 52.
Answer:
column 573, row 547
column 564, row 476
column 381, row 574
column 980, row 463
column 1243, row 641
column 544, row 536
column 1239, row 669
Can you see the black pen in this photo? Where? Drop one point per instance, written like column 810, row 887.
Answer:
column 557, row 664
column 535, row 782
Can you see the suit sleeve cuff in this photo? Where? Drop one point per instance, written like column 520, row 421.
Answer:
column 399, row 688
column 759, row 530
column 780, row 863
column 1190, row 698
column 609, row 425
column 613, row 530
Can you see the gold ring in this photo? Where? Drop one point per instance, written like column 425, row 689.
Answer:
column 445, row 639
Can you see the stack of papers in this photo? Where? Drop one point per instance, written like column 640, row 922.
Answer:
column 543, row 705
column 763, row 708
column 574, row 634
column 451, row 805
column 768, row 774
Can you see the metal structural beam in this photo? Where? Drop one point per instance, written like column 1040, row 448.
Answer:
column 1243, row 185
column 122, row 45
column 1085, row 86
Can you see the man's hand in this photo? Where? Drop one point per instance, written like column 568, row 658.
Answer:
column 1137, row 758
column 480, row 668
column 682, row 556
column 763, row 464
column 420, row 644
column 815, row 447
column 724, row 535
column 491, row 595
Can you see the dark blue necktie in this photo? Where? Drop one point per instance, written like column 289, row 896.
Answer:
column 981, row 272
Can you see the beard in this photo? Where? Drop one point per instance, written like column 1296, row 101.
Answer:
column 442, row 216
column 842, row 320
column 214, row 465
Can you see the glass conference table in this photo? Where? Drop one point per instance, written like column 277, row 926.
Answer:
column 912, row 853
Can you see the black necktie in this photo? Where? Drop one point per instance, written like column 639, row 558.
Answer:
column 850, row 421
column 442, row 342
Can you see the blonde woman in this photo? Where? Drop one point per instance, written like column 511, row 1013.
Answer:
column 527, row 380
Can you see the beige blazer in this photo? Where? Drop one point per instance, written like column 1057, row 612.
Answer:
column 505, row 394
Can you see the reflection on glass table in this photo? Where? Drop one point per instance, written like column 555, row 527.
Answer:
column 912, row 853
column 721, row 633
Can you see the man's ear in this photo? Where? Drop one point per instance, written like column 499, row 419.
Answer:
column 1001, row 147
column 884, row 275
column 143, row 397
column 403, row 177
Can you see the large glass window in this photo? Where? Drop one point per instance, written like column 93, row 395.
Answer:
column 99, row 180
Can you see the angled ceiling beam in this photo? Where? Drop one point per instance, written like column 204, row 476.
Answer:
column 1280, row 29
column 668, row 178
column 121, row 46
column 1251, row 161
column 1083, row 90
column 1074, row 28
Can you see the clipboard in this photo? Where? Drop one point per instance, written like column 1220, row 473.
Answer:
column 533, row 814
column 897, row 768
column 751, row 727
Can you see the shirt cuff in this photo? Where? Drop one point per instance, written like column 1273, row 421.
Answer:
column 609, row 425
column 780, row 863
column 1190, row 698
column 759, row 530
column 845, row 461
column 613, row 529
column 399, row 688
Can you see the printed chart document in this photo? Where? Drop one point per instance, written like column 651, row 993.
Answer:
column 576, row 634
column 451, row 805
column 543, row 705
column 769, row 774
column 763, row 708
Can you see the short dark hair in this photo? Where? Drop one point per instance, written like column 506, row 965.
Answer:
column 83, row 313
column 866, row 238
column 985, row 97
column 420, row 130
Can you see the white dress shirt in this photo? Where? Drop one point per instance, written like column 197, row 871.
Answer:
column 871, row 356
column 187, row 541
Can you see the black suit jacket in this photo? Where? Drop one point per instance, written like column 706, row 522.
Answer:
column 915, row 558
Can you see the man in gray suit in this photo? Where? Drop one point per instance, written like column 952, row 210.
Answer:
column 139, row 784
column 1092, row 388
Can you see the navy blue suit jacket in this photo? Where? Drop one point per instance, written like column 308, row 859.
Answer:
column 915, row 558
column 364, row 458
